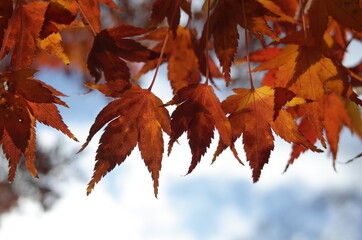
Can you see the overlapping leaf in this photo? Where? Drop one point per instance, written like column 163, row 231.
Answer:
column 346, row 12
column 199, row 112
column 112, row 47
column 307, row 72
column 136, row 117
column 251, row 114
column 170, row 9
column 26, row 24
column 223, row 23
column 183, row 65
column 25, row 100
column 57, row 16
column 336, row 114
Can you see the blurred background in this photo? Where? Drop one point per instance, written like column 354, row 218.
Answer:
column 217, row 202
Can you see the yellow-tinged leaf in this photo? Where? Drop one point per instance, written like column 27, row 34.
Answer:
column 251, row 114
column 53, row 45
column 307, row 72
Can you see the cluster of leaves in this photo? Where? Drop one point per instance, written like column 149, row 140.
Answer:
column 306, row 95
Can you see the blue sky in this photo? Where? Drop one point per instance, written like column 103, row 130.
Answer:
column 216, row 202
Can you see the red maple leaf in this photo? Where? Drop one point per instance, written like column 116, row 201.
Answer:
column 25, row 100
column 112, row 47
column 199, row 112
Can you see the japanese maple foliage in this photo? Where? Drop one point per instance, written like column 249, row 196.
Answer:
column 306, row 94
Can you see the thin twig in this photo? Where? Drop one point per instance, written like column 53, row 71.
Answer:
column 303, row 21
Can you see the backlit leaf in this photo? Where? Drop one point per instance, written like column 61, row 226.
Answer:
column 112, row 47
column 136, row 117
column 251, row 114
column 198, row 113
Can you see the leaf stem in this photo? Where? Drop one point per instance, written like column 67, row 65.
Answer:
column 207, row 41
column 159, row 61
column 303, row 20
column 247, row 48
column 86, row 18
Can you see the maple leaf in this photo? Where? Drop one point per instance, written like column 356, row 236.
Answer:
column 199, row 113
column 169, row 9
column 306, row 127
column 223, row 27
column 183, row 66
column 113, row 45
column 336, row 115
column 136, row 117
column 307, row 72
column 23, row 101
column 355, row 116
column 26, row 24
column 251, row 114
column 345, row 12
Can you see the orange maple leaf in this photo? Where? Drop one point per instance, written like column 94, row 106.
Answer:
column 335, row 116
column 25, row 100
column 136, row 117
column 223, row 23
column 251, row 114
column 113, row 45
column 183, row 65
column 199, row 113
